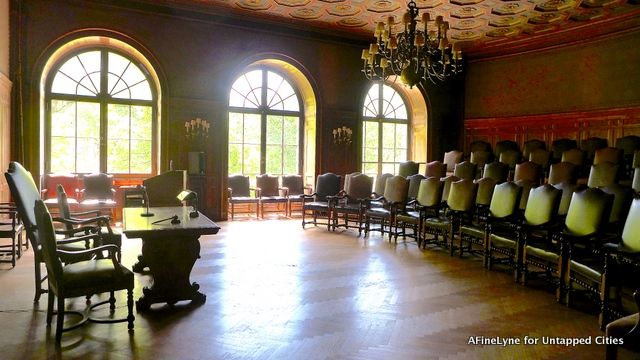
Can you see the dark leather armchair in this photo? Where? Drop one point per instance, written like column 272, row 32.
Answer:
column 268, row 191
column 98, row 192
column 238, row 192
column 82, row 278
column 294, row 187
column 350, row 203
column 87, row 221
column 317, row 203
column 25, row 193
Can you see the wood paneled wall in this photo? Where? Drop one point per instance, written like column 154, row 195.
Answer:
column 609, row 124
column 5, row 131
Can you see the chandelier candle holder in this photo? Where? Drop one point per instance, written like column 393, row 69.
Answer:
column 342, row 135
column 415, row 54
column 197, row 129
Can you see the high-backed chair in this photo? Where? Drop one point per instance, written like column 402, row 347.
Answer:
column 578, row 158
column 10, row 228
column 528, row 171
column 414, row 185
column 98, row 193
column 526, row 187
column 502, row 209
column 317, row 203
column 603, row 174
column 484, row 194
column 588, row 212
column 268, row 191
column 465, row 170
column 87, row 222
column 451, row 158
column 480, row 145
column 350, row 202
column 49, row 185
column 541, row 157
column 497, row 171
column 563, row 172
column 480, row 158
column 610, row 154
column 347, row 179
column 591, row 145
column 622, row 196
column 408, row 168
column 381, row 182
column 427, row 203
column 460, row 206
column 565, row 199
column 628, row 144
column 293, row 186
column 83, row 278
column 539, row 217
column 532, row 145
column 635, row 183
column 446, row 187
column 510, row 157
column 239, row 193
column 436, row 169
column 25, row 193
column 393, row 202
column 559, row 146
column 504, row 145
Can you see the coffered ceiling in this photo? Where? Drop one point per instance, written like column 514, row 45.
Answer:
column 480, row 26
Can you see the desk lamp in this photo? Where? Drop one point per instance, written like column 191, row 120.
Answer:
column 188, row 195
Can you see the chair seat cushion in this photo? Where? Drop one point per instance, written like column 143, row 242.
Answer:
column 272, row 199
column 437, row 222
column 543, row 254
column 409, row 217
column 378, row 212
column 242, row 199
column 348, row 207
column 589, row 271
column 316, row 205
column 622, row 326
column 502, row 241
column 95, row 275
column 472, row 231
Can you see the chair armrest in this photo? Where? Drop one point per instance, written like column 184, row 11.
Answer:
column 284, row 191
column 83, row 254
column 95, row 213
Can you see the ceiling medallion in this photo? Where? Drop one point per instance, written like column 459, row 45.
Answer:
column 307, row 13
column 254, row 4
column 467, row 12
column 466, row 24
column 352, row 22
column 343, row 10
column 509, row 9
column 506, row 21
column 419, row 52
column 502, row 32
column 381, row 6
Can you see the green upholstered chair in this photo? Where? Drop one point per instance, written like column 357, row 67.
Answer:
column 446, row 187
column 528, row 171
column 479, row 145
column 317, row 203
column 526, row 187
column 635, row 183
column 541, row 157
column 426, row 204
column 25, row 193
column 483, row 198
column 591, row 145
column 497, row 171
column 436, row 169
column 350, row 203
column 465, row 170
column 239, row 193
column 539, row 216
column 610, row 154
column 626, row 328
column 460, row 206
column 268, row 191
column 88, row 222
column 380, row 183
column 563, row 172
column 451, row 158
column 565, row 198
column 575, row 156
column 393, row 202
column 294, row 189
column 532, row 145
column 480, row 158
column 603, row 174
column 502, row 209
column 414, row 185
column 588, row 212
column 559, row 146
column 628, row 144
column 82, row 278
column 408, row 168
column 622, row 196
column 511, row 158
column 505, row 145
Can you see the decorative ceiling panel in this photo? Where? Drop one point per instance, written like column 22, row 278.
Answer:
column 475, row 24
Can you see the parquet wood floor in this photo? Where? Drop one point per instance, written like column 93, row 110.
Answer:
column 276, row 291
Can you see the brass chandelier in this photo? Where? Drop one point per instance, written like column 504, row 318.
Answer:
column 413, row 54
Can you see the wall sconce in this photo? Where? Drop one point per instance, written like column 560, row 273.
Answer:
column 197, row 129
column 342, row 135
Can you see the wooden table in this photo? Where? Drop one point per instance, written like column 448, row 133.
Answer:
column 169, row 250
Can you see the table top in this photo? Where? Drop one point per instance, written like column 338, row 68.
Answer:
column 136, row 226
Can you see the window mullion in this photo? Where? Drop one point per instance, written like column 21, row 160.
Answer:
column 263, row 124
column 104, row 111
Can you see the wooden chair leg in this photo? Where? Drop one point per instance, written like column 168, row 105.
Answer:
column 50, row 300
column 60, row 319
column 130, row 317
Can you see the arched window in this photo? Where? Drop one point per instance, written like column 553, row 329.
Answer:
column 385, row 131
column 100, row 111
column 265, row 125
